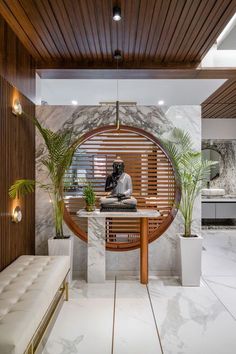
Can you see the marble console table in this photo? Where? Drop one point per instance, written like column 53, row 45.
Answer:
column 96, row 262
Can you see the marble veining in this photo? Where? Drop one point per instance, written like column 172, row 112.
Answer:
column 227, row 150
column 162, row 252
column 96, row 269
column 139, row 213
column 189, row 320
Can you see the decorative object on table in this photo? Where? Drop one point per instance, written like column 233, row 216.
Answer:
column 192, row 172
column 60, row 152
column 119, row 186
column 89, row 197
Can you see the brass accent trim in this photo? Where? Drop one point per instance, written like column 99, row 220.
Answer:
column 62, row 292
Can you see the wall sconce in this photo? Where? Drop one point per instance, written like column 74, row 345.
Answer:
column 17, row 108
column 17, row 215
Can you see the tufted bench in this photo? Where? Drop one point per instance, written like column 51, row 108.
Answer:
column 30, row 288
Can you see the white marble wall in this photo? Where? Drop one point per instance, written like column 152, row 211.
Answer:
column 227, row 175
column 84, row 118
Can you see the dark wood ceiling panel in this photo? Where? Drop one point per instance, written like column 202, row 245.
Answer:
column 197, row 20
column 222, row 103
column 209, row 29
column 151, row 34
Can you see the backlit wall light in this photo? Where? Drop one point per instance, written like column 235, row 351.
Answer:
column 17, row 215
column 116, row 13
column 17, row 108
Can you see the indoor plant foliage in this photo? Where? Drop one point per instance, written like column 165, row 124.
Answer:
column 58, row 159
column 191, row 172
column 89, row 196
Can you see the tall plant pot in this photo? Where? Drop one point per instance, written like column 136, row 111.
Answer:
column 190, row 249
column 62, row 247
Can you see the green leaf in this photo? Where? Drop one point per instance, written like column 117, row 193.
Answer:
column 21, row 187
column 191, row 170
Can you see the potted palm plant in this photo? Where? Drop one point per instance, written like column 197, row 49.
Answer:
column 58, row 159
column 191, row 173
column 89, row 196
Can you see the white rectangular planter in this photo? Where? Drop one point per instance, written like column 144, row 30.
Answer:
column 62, row 247
column 190, row 260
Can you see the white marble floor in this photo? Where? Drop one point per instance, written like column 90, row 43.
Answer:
column 125, row 317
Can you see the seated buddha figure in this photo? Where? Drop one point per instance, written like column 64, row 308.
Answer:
column 119, row 186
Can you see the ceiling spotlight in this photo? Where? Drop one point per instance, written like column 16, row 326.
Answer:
column 74, row 103
column 116, row 13
column 160, row 103
column 117, row 54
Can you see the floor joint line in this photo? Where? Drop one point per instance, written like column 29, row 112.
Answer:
column 213, row 292
column 114, row 316
column 153, row 314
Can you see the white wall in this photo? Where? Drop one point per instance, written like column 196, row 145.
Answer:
column 219, row 128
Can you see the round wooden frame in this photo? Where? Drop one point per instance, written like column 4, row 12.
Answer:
column 113, row 246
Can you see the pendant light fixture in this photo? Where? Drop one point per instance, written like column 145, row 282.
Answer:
column 116, row 13
column 117, row 57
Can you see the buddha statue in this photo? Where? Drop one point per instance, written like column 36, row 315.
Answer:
column 119, row 184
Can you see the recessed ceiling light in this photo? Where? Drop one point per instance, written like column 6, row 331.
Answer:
column 116, row 13
column 160, row 103
column 74, row 102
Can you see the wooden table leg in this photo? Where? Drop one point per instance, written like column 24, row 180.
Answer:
column 144, row 250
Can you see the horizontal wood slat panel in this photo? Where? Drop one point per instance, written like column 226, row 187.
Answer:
column 222, row 103
column 153, row 177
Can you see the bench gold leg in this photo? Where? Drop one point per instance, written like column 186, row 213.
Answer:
column 67, row 290
column 31, row 348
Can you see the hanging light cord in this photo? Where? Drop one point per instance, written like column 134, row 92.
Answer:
column 117, row 98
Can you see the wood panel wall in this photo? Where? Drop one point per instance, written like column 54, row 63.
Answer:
column 16, row 65
column 17, row 145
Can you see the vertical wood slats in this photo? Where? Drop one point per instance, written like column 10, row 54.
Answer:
column 16, row 64
column 17, row 145
column 17, row 160
column 152, row 175
column 150, row 32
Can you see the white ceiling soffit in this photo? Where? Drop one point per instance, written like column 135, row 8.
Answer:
column 144, row 92
column 226, row 40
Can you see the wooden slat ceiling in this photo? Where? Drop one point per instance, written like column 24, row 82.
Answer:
column 222, row 103
column 152, row 33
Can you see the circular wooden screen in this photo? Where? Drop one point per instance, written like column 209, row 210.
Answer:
column 152, row 174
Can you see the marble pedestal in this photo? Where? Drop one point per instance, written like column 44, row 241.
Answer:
column 96, row 261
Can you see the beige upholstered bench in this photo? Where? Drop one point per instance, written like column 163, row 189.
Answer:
column 31, row 289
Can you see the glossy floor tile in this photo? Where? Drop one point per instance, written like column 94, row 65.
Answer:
column 219, row 255
column 85, row 322
column 124, row 317
column 191, row 320
column 224, row 288
column 134, row 321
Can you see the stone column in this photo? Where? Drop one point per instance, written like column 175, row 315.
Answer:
column 96, row 268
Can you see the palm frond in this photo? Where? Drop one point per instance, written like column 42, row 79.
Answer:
column 191, row 171
column 21, row 187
